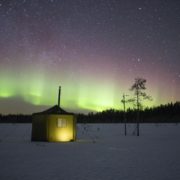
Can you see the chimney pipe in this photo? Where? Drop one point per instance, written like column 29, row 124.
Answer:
column 59, row 96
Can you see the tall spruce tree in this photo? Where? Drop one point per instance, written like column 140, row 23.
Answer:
column 139, row 88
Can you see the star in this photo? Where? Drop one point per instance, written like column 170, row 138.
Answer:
column 139, row 60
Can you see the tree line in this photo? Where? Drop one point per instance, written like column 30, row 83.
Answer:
column 168, row 113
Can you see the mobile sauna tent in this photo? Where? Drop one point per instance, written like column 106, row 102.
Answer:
column 53, row 125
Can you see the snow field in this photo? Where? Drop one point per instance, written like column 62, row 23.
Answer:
column 101, row 152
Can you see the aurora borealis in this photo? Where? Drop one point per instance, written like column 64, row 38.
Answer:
column 94, row 49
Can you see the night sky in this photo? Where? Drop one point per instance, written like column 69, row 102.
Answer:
column 94, row 49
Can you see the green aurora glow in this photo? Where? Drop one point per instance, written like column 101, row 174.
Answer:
column 92, row 49
column 90, row 95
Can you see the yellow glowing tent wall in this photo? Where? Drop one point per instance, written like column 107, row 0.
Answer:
column 49, row 127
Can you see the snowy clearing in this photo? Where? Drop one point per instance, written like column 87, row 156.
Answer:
column 101, row 152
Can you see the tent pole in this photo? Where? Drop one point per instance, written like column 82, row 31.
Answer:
column 59, row 96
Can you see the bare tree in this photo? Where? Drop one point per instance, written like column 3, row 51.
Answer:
column 139, row 88
column 124, row 101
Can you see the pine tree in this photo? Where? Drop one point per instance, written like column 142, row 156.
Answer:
column 139, row 88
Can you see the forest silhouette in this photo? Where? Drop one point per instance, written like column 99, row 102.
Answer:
column 168, row 113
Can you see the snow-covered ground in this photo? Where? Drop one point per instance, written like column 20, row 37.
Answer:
column 101, row 152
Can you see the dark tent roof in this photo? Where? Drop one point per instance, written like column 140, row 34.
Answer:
column 54, row 110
